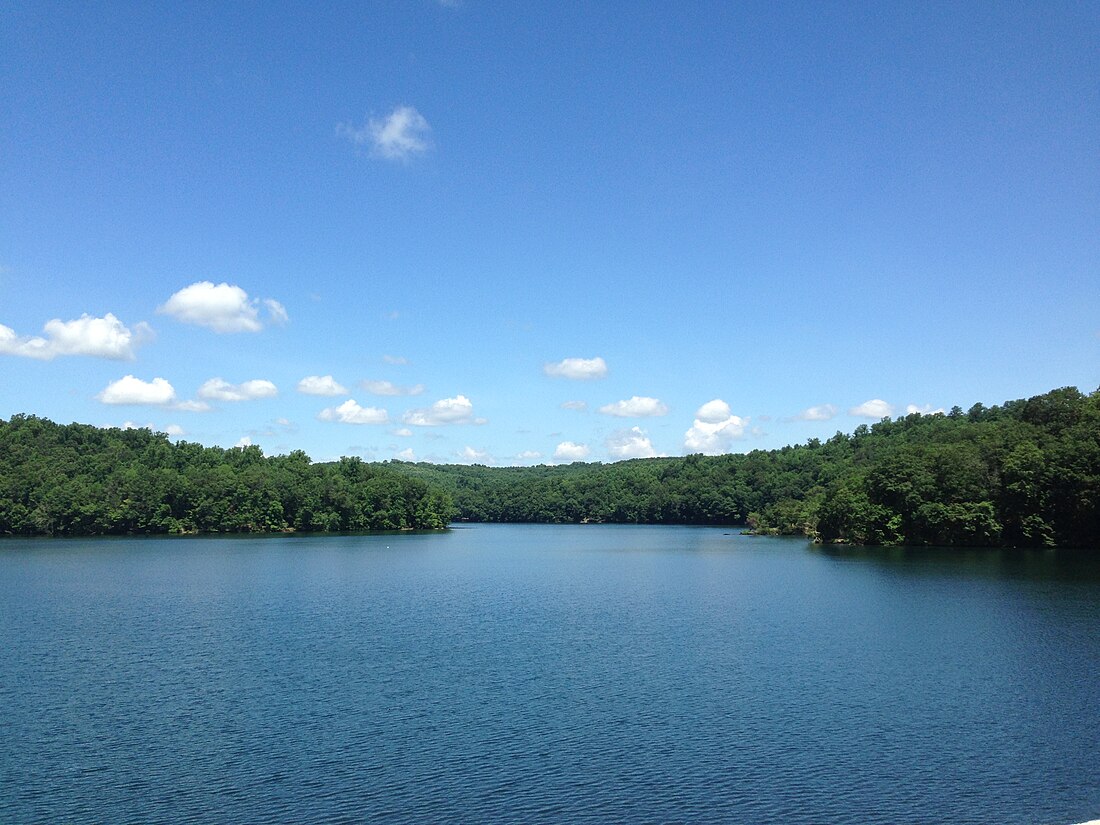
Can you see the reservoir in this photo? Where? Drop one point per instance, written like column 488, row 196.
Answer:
column 523, row 673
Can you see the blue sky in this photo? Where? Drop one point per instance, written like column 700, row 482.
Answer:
column 520, row 233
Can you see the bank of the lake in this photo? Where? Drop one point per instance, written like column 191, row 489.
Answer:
column 539, row 673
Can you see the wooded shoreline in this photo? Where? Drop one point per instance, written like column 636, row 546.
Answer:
column 1023, row 474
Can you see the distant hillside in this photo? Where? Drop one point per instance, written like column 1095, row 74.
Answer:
column 1026, row 473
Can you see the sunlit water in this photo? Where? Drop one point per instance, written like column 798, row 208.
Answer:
column 545, row 674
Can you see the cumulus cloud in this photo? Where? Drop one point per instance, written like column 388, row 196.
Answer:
column 457, row 410
column 389, row 388
column 876, row 408
column 397, row 360
column 578, row 369
column 568, row 451
column 351, row 413
column 131, row 390
column 403, row 432
column 924, row 409
column 406, row 455
column 192, row 406
column 105, row 337
column 321, row 385
column 822, row 412
column 714, row 429
column 575, row 405
column 222, row 308
column 242, row 442
column 398, row 136
column 174, row 429
column 475, row 456
column 217, row 389
column 635, row 407
column 529, row 455
column 632, row 443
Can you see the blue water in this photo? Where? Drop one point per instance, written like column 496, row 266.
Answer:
column 545, row 674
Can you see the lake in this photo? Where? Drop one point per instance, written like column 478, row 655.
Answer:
column 545, row 674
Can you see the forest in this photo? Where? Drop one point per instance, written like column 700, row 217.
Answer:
column 1023, row 474
column 81, row 480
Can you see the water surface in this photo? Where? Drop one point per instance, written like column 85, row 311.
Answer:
column 534, row 673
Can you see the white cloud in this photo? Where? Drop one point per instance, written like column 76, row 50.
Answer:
column 174, row 429
column 875, row 408
column 714, row 411
column 403, row 432
column 131, row 390
column 715, row 428
column 105, row 337
column 578, row 369
column 219, row 390
column 351, row 413
column 276, row 311
column 632, row 443
column 242, row 442
column 635, row 407
column 457, row 410
column 925, row 409
column 397, row 360
column 221, row 307
column 192, row 406
column 529, row 455
column 822, row 412
column 321, row 385
column 475, row 456
column 406, row 455
column 389, row 388
column 575, row 405
column 568, row 451
column 398, row 136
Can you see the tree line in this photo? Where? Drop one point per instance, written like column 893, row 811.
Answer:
column 81, row 480
column 1026, row 473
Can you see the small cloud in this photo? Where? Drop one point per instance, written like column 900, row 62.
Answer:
column 351, row 413
column 218, row 390
column 396, row 360
column 632, row 443
column 577, row 369
column 276, row 311
column 529, row 455
column 457, row 410
column 635, row 407
column 575, row 405
column 393, row 315
column 398, row 136
column 568, row 451
column 876, row 408
column 321, row 385
column 131, row 390
column 475, row 456
column 403, row 432
column 714, row 429
column 174, row 430
column 221, row 307
column 822, row 412
column 389, row 388
column 925, row 409
column 192, row 406
column 406, row 455
column 105, row 337
column 242, row 442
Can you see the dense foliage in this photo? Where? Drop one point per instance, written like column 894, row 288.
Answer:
column 82, row 480
column 1026, row 473
column 1023, row 474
